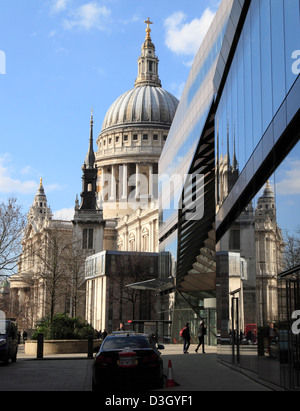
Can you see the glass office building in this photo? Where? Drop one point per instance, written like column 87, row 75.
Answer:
column 230, row 217
column 192, row 250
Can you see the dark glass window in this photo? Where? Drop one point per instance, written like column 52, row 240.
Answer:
column 119, row 343
column 234, row 240
column 87, row 238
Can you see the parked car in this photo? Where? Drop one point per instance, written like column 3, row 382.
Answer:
column 127, row 360
column 8, row 341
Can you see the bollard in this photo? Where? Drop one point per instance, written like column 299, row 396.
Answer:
column 40, row 347
column 90, row 347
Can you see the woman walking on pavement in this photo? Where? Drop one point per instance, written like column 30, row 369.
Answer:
column 201, row 334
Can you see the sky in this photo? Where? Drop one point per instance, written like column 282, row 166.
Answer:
column 60, row 58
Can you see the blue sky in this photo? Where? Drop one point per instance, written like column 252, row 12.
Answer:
column 64, row 57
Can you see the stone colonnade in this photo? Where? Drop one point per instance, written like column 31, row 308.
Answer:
column 117, row 181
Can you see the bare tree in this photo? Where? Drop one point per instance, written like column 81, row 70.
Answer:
column 131, row 269
column 291, row 256
column 75, row 261
column 12, row 224
column 53, row 274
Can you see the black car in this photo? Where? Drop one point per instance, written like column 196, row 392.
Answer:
column 127, row 361
column 8, row 341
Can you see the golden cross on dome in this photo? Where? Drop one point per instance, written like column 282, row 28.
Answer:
column 148, row 30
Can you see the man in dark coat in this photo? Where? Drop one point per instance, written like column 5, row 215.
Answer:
column 186, row 338
column 201, row 334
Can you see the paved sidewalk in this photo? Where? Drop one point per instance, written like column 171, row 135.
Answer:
column 73, row 372
column 203, row 372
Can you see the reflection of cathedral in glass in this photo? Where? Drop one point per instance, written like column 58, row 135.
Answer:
column 254, row 239
column 269, row 251
column 227, row 171
column 237, row 121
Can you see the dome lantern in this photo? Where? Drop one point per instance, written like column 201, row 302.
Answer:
column 148, row 62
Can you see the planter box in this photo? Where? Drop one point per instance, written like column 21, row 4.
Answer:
column 60, row 346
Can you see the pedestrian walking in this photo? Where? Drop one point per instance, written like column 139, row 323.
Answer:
column 201, row 334
column 271, row 335
column 185, row 334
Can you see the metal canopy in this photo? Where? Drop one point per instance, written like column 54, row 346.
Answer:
column 196, row 238
column 155, row 284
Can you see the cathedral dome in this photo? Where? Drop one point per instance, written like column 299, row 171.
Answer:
column 147, row 104
column 133, row 134
column 143, row 104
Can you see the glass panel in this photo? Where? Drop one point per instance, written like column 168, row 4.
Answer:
column 240, row 114
column 248, row 89
column 278, row 56
column 266, row 68
column 256, row 72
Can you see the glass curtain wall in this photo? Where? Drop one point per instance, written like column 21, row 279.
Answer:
column 263, row 241
column 254, row 313
column 174, row 166
column 259, row 79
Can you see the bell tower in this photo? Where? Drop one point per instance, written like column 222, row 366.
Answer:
column 88, row 218
column 89, row 177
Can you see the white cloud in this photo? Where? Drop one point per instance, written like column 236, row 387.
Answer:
column 184, row 37
column 53, row 187
column 66, row 214
column 177, row 89
column 26, row 170
column 290, row 183
column 59, row 5
column 11, row 185
column 88, row 16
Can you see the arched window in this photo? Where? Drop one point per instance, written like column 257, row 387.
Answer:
column 132, row 242
column 145, row 236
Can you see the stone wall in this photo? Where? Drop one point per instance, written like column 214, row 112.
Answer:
column 60, row 346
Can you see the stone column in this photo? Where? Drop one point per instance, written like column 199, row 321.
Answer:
column 150, row 189
column 137, row 180
column 113, row 184
column 124, row 186
column 102, row 184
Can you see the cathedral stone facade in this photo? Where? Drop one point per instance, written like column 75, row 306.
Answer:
column 46, row 257
column 117, row 211
column 129, row 145
column 133, row 134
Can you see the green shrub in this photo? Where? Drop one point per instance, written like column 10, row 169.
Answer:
column 64, row 327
